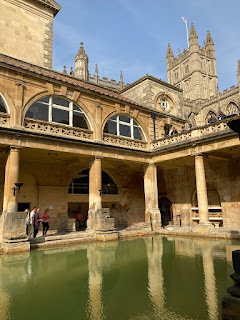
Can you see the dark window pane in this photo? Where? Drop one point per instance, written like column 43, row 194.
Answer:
column 2, row 105
column 124, row 119
column 38, row 111
column 125, row 130
column 113, row 118
column 60, row 116
column 45, row 100
column 111, row 127
column 137, row 133
column 76, row 108
column 135, row 123
column 79, row 120
column 60, row 102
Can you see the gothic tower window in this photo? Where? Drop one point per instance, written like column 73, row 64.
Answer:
column 122, row 125
column 59, row 110
column 186, row 69
column 232, row 108
column 211, row 117
column 2, row 105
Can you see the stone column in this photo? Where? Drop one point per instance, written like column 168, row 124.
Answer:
column 152, row 213
column 11, row 177
column 95, row 184
column 202, row 198
column 14, row 223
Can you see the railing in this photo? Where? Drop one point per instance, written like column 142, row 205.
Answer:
column 124, row 142
column 4, row 119
column 57, row 129
column 192, row 134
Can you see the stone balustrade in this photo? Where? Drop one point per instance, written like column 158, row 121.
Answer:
column 78, row 133
column 193, row 134
column 124, row 142
column 57, row 129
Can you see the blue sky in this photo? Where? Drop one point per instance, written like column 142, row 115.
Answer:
column 132, row 35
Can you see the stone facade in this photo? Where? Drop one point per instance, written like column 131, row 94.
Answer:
column 190, row 178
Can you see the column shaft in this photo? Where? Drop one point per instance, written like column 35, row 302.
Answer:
column 95, row 184
column 12, row 177
column 151, row 194
column 201, row 190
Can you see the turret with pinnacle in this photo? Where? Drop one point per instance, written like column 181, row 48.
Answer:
column 81, row 64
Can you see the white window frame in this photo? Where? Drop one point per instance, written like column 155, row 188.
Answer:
column 57, row 106
column 129, row 124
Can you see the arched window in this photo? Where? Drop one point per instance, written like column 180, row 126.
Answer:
column 2, row 105
column 211, row 117
column 54, row 109
column 232, row 108
column 80, row 184
column 124, row 126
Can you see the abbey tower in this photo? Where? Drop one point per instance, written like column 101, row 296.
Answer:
column 194, row 71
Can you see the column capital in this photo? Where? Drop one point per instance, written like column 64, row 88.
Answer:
column 199, row 154
column 151, row 164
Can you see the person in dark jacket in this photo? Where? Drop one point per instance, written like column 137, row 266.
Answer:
column 36, row 222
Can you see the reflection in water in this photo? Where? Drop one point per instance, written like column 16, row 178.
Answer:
column 210, row 281
column 100, row 257
column 154, row 248
column 155, row 278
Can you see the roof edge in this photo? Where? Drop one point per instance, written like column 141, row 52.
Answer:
column 50, row 4
column 149, row 77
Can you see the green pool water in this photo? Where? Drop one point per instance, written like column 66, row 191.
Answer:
column 148, row 278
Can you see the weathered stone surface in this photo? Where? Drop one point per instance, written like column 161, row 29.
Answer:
column 100, row 220
column 106, row 236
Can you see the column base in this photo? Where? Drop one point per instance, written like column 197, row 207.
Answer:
column 15, row 246
column 204, row 227
column 106, row 236
column 99, row 220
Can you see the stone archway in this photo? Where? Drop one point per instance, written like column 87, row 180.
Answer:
column 78, row 194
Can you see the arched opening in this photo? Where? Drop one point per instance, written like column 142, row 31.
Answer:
column 2, row 105
column 78, row 200
column 164, row 103
column 165, row 207
column 211, row 117
column 58, row 110
column 214, row 207
column 232, row 109
column 124, row 126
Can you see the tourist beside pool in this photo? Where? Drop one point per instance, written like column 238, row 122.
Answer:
column 36, row 222
column 45, row 222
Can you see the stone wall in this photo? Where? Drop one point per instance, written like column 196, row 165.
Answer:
column 26, row 31
column 223, row 176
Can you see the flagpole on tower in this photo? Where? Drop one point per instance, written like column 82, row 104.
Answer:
column 185, row 20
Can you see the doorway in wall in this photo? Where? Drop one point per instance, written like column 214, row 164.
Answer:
column 165, row 206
